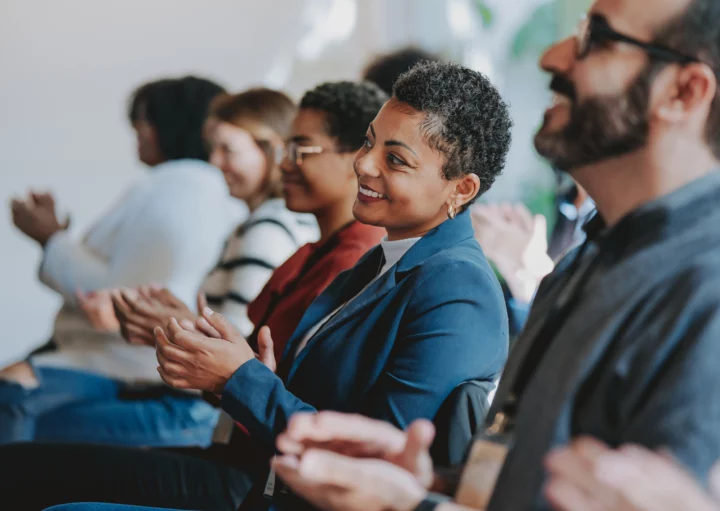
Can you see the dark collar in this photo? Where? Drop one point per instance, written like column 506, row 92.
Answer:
column 661, row 218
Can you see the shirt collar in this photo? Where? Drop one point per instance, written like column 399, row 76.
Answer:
column 394, row 250
column 660, row 218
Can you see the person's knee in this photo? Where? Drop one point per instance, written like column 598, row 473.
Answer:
column 22, row 374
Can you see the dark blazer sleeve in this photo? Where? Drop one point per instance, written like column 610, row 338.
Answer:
column 454, row 330
column 258, row 399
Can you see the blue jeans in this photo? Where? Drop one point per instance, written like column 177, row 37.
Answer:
column 75, row 406
column 102, row 507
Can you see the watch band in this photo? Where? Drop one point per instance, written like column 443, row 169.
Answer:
column 431, row 502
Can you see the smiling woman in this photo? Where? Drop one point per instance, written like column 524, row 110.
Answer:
column 426, row 158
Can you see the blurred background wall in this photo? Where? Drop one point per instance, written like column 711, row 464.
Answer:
column 67, row 68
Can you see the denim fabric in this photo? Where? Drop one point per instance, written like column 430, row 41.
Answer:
column 75, row 406
column 102, row 507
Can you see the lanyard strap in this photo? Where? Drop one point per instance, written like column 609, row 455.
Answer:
column 580, row 272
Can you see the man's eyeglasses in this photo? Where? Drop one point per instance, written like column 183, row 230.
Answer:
column 596, row 31
column 296, row 152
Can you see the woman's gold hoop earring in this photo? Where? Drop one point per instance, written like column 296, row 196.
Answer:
column 451, row 212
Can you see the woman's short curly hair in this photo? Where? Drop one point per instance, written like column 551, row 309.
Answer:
column 466, row 119
column 349, row 108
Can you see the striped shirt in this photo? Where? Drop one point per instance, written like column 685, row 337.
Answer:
column 270, row 236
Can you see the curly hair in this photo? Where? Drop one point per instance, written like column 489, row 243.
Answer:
column 349, row 109
column 465, row 118
column 385, row 69
column 176, row 108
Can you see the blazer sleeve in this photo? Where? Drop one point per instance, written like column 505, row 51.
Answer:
column 266, row 410
column 258, row 399
column 454, row 329
column 176, row 242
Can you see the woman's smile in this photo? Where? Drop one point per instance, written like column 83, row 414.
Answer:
column 368, row 195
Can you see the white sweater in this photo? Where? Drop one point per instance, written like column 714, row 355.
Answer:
column 168, row 230
column 269, row 237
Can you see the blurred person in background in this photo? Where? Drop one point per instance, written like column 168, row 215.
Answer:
column 317, row 179
column 517, row 244
column 385, row 69
column 246, row 133
column 168, row 229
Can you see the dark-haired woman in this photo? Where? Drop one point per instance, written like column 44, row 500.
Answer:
column 168, row 229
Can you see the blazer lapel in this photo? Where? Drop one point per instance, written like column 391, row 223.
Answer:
column 368, row 297
column 350, row 284
column 347, row 285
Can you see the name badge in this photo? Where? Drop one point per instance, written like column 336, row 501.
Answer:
column 270, row 485
column 480, row 474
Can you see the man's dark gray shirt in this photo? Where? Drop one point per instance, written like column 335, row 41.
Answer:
column 637, row 358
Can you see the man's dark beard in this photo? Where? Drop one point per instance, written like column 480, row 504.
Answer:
column 601, row 128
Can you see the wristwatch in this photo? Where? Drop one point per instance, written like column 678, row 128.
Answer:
column 431, row 502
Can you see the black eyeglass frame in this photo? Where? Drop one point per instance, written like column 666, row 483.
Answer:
column 595, row 30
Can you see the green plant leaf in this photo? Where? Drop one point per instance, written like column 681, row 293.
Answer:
column 485, row 12
column 537, row 33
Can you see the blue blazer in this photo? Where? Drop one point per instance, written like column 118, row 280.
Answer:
column 397, row 350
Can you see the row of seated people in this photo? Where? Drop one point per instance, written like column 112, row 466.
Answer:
column 94, row 386
column 619, row 344
column 357, row 170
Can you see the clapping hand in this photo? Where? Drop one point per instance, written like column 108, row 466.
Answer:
column 140, row 310
column 589, row 476
column 205, row 354
column 350, row 463
column 516, row 242
column 98, row 308
column 36, row 217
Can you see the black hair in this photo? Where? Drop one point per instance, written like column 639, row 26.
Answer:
column 349, row 108
column 177, row 109
column 386, row 69
column 466, row 119
column 696, row 33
